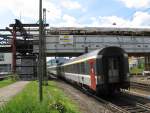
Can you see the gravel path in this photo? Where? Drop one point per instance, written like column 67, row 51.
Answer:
column 6, row 93
column 86, row 103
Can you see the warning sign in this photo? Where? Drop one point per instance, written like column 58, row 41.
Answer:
column 66, row 39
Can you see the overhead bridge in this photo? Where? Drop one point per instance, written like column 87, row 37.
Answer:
column 76, row 41
column 69, row 41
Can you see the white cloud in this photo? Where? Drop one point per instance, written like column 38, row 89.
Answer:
column 69, row 18
column 69, row 4
column 20, row 6
column 140, row 19
column 30, row 8
column 136, row 3
column 69, row 21
column 53, row 12
column 107, row 21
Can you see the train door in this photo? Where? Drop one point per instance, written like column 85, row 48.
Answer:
column 113, row 69
column 92, row 74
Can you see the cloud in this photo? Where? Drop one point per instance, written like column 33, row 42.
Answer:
column 68, row 21
column 139, row 19
column 53, row 12
column 136, row 3
column 56, row 15
column 108, row 21
column 18, row 7
column 68, row 4
column 30, row 8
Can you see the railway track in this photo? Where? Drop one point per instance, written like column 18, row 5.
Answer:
column 121, row 103
column 130, row 105
column 124, row 103
column 108, row 105
column 141, row 86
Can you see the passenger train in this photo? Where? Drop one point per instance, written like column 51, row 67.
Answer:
column 103, row 71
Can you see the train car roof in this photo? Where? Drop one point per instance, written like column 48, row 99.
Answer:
column 91, row 55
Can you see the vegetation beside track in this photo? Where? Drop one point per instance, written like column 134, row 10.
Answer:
column 6, row 82
column 54, row 101
column 136, row 70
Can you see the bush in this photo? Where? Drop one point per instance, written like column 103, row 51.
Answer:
column 14, row 77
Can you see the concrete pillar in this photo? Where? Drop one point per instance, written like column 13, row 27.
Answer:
column 147, row 63
column 26, row 67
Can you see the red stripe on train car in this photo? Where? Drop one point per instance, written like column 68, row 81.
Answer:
column 92, row 74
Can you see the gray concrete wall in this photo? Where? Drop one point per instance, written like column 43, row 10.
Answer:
column 26, row 68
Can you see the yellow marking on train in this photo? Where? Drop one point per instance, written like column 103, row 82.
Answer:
column 78, row 61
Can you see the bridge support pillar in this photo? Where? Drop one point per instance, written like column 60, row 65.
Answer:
column 14, row 50
column 147, row 63
column 26, row 67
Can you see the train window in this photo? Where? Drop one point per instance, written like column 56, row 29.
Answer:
column 83, row 68
column 115, row 64
column 79, row 68
column 65, row 68
column 85, row 65
column 71, row 68
column 68, row 68
column 62, row 69
column 75, row 68
column 97, row 45
column 87, row 68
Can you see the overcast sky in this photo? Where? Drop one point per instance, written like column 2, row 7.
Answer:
column 78, row 13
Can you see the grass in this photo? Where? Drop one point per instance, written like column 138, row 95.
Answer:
column 136, row 70
column 55, row 101
column 6, row 82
